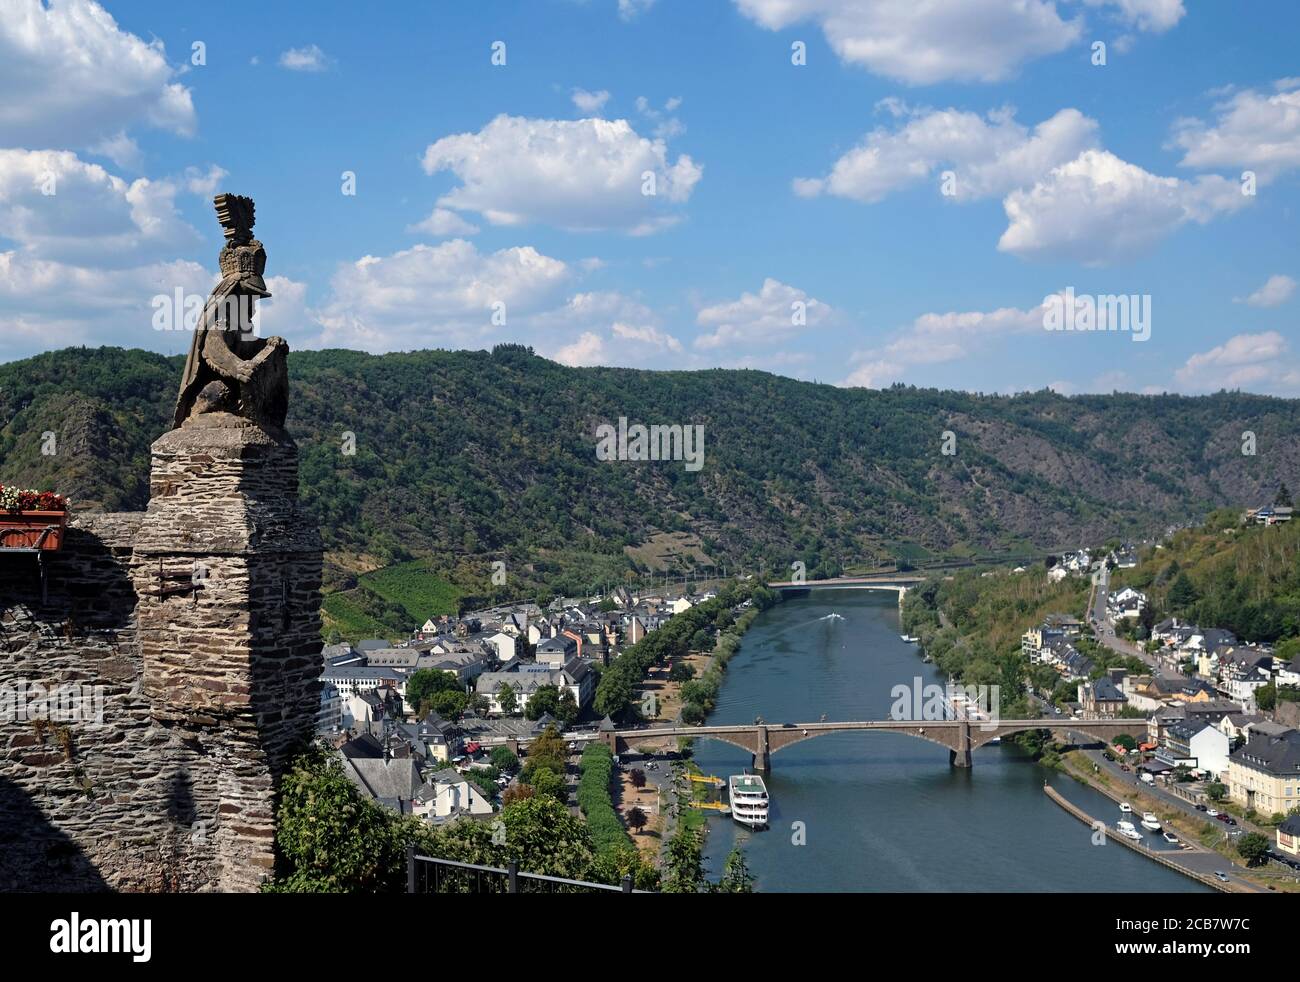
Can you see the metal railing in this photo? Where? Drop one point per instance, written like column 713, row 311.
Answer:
column 428, row 874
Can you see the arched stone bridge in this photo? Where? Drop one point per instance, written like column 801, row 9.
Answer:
column 762, row 740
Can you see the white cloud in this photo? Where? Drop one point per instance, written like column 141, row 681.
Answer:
column 873, row 373
column 121, row 150
column 776, row 312
column 429, row 296
column 988, row 156
column 203, row 183
column 307, row 59
column 92, row 216
column 590, row 103
column 47, row 304
column 442, row 222
column 1098, row 209
column 667, row 126
column 941, row 337
column 1255, row 360
column 589, row 349
column 1277, row 290
column 922, row 43
column 629, row 9
column 72, row 78
column 646, row 334
column 1255, row 130
column 580, row 175
column 1145, row 15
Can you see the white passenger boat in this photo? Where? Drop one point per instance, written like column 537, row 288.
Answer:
column 1128, row 830
column 1125, row 807
column 1171, row 838
column 748, row 797
column 1150, row 822
column 909, row 638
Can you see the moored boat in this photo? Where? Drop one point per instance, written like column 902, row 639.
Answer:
column 747, row 795
column 1128, row 830
column 1150, row 822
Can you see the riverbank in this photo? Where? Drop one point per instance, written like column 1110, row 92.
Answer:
column 663, row 698
column 1169, row 861
column 1202, row 837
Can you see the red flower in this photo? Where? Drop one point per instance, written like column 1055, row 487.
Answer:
column 16, row 499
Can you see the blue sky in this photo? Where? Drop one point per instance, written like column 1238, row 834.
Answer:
column 798, row 222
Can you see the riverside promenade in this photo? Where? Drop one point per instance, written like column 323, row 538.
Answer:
column 1193, row 860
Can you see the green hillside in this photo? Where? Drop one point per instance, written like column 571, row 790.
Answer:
column 466, row 457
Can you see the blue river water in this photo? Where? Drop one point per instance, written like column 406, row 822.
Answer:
column 885, row 811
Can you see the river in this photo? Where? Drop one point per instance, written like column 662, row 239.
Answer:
column 884, row 811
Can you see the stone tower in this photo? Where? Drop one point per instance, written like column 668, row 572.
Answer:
column 228, row 575
column 228, row 570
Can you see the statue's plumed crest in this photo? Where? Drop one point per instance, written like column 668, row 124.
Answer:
column 236, row 215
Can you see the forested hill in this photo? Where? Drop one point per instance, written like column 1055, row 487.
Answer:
column 471, row 453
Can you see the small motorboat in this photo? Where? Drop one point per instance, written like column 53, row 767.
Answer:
column 1171, row 838
column 1150, row 822
column 909, row 638
column 1128, row 830
column 1125, row 807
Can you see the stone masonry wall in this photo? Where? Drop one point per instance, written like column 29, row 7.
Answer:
column 87, row 804
column 200, row 621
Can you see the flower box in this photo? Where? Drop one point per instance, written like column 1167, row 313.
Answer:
column 26, row 529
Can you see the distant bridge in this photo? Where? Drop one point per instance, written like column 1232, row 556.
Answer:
column 762, row 740
column 896, row 582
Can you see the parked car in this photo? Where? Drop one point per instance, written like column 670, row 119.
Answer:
column 1212, row 813
column 1201, row 808
column 1221, row 875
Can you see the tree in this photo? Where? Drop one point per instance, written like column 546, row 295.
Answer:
column 547, row 782
column 332, row 839
column 1216, row 791
column 1283, row 497
column 504, row 759
column 540, row 835
column 425, row 682
column 683, row 867
column 448, row 704
column 545, row 753
column 545, row 700
column 1125, row 741
column 566, row 708
column 1183, row 593
column 1266, row 697
column 736, row 877
column 636, row 819
column 681, row 672
column 516, row 792
column 1252, row 847
column 506, row 699
column 637, row 776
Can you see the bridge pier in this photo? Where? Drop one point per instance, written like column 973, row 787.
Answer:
column 762, row 754
column 961, row 758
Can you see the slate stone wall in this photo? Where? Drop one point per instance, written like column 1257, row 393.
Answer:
column 191, row 635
